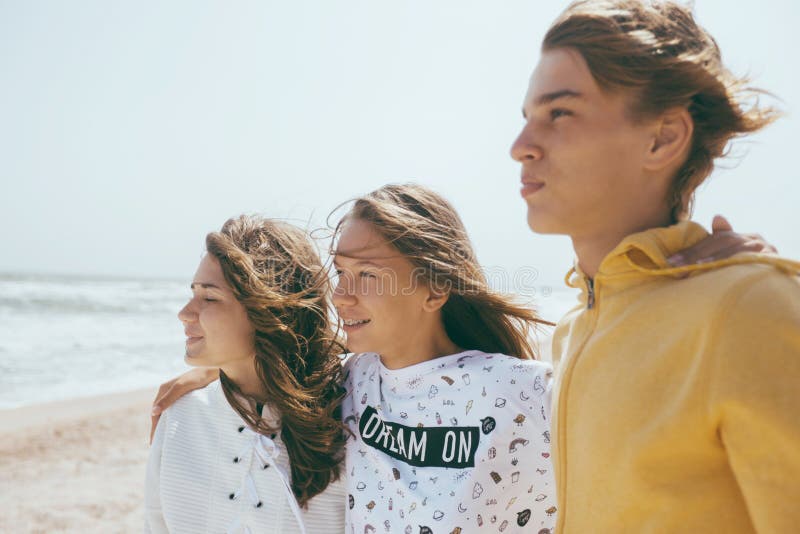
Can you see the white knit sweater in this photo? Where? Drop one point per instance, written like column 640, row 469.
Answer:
column 210, row 473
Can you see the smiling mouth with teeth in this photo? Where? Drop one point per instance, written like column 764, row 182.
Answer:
column 354, row 322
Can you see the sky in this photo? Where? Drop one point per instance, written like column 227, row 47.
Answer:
column 128, row 130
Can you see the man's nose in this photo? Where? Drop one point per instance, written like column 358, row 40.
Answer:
column 525, row 147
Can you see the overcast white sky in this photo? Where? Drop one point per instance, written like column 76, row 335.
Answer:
column 130, row 129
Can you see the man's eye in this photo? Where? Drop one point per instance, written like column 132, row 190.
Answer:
column 364, row 274
column 209, row 300
column 556, row 113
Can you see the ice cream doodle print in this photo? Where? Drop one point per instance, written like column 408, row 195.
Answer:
column 454, row 445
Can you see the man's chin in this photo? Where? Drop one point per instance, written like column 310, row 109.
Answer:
column 542, row 225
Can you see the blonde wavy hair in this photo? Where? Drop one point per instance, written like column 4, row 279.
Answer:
column 424, row 227
column 276, row 273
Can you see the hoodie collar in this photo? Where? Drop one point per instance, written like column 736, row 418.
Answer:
column 647, row 252
column 642, row 255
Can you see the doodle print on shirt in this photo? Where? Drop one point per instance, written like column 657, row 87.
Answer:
column 453, row 445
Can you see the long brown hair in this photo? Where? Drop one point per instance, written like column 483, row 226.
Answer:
column 424, row 227
column 276, row 273
column 658, row 51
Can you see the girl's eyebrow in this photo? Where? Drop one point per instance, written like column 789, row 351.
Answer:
column 203, row 285
column 364, row 262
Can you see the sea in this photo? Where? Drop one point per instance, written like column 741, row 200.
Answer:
column 63, row 337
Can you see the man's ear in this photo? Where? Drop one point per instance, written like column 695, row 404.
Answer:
column 671, row 140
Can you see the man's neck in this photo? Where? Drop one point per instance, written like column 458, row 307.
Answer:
column 591, row 252
column 591, row 249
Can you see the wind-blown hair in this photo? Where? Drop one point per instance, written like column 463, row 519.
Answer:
column 656, row 50
column 424, row 227
column 276, row 273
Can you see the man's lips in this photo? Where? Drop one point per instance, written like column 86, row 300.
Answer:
column 530, row 187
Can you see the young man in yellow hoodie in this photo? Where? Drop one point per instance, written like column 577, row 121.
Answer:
column 677, row 398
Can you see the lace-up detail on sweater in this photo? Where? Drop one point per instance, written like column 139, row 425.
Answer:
column 209, row 472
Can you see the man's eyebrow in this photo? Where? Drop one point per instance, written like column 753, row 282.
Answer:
column 549, row 98
column 204, row 285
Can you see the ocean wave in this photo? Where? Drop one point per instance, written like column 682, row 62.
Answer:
column 90, row 296
column 84, row 305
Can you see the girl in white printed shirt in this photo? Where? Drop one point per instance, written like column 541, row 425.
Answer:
column 258, row 450
column 448, row 410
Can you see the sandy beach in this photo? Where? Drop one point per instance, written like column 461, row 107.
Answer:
column 76, row 465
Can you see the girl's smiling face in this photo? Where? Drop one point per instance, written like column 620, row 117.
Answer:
column 383, row 300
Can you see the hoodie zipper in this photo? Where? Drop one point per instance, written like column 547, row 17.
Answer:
column 566, row 378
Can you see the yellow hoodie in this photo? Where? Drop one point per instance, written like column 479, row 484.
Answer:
column 677, row 399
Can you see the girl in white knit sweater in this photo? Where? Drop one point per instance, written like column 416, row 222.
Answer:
column 258, row 450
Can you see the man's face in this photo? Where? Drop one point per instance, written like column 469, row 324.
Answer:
column 582, row 157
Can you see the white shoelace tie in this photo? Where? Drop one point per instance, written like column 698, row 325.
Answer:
column 266, row 451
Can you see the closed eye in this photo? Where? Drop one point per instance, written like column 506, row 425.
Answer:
column 365, row 274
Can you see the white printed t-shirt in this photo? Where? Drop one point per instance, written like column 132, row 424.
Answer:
column 457, row 444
